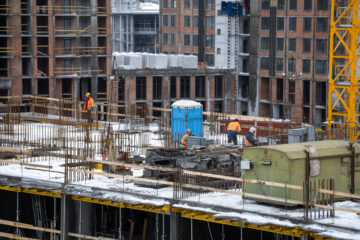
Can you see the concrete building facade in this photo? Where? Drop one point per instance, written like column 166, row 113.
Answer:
column 135, row 26
column 162, row 87
column 55, row 48
column 293, row 59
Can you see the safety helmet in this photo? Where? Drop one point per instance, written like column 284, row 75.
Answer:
column 237, row 119
column 188, row 131
column 88, row 94
column 253, row 130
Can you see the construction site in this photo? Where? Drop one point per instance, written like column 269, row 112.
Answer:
column 98, row 144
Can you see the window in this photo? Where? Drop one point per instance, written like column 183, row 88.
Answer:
column 307, row 4
column 321, row 45
column 195, row 40
column 209, row 58
column 66, row 48
column 293, row 4
column 209, row 41
column 186, row 4
column 279, row 64
column 322, row 4
column 195, row 21
column 200, row 86
column 291, row 64
column 265, row 4
column 218, row 31
column 157, row 87
column 184, row 87
column 165, row 39
column 165, row 20
column 186, row 39
column 140, row 88
column 187, row 21
column 218, row 51
column 172, row 39
column 67, row 65
column 307, row 24
column 173, row 3
column 165, row 3
column 321, row 25
column 209, row 4
column 209, row 22
column 264, row 63
column 292, row 24
column 173, row 20
column 280, row 23
column 281, row 4
column 306, row 65
column 66, row 24
column 172, row 87
column 195, row 4
column 320, row 66
column 280, row 44
column 292, row 44
column 265, row 43
column 218, row 87
column 307, row 45
column 265, row 23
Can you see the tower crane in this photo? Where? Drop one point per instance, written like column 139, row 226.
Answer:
column 344, row 72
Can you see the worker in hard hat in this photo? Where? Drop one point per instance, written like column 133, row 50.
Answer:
column 88, row 105
column 184, row 142
column 233, row 129
column 250, row 140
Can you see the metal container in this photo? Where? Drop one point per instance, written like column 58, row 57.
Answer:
column 288, row 164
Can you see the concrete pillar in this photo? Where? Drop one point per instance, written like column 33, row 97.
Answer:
column 94, row 43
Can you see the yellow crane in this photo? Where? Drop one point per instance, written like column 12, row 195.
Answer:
column 344, row 71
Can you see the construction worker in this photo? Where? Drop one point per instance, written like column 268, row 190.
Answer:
column 184, row 142
column 88, row 105
column 250, row 140
column 233, row 129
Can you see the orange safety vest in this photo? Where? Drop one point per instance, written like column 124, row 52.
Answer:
column 247, row 143
column 234, row 126
column 88, row 103
column 183, row 141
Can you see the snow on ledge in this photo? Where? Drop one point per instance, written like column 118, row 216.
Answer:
column 186, row 104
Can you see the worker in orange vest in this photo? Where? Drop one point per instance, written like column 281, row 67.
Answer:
column 88, row 105
column 184, row 142
column 233, row 129
column 250, row 140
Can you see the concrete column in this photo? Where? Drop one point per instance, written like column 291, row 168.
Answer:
column 94, row 43
column 76, row 88
column 192, row 87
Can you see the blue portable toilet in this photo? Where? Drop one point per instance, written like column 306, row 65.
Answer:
column 186, row 114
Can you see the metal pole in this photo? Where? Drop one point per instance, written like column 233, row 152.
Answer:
column 80, row 220
column 54, row 219
column 241, row 233
column 120, row 224
column 222, row 232
column 163, row 227
column 191, row 229
column 17, row 213
column 157, row 226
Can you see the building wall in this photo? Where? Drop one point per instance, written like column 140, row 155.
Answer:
column 55, row 50
column 300, row 83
